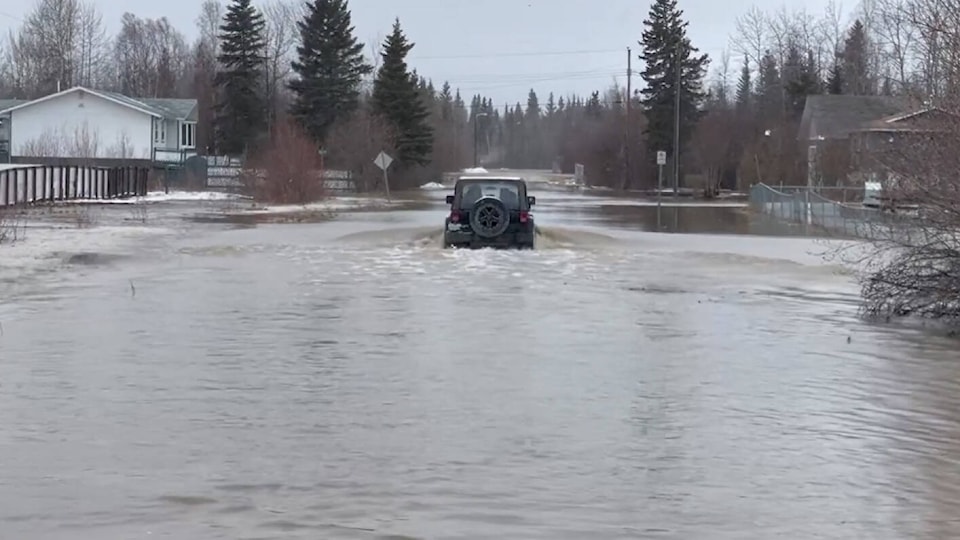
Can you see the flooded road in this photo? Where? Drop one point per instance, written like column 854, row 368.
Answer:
column 351, row 379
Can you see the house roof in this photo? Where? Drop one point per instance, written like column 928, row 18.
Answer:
column 925, row 119
column 171, row 109
column 8, row 103
column 836, row 116
column 178, row 109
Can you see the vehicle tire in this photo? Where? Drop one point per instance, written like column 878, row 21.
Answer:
column 489, row 218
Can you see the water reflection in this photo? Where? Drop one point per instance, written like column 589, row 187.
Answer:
column 689, row 219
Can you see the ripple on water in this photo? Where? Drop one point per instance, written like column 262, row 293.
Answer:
column 361, row 391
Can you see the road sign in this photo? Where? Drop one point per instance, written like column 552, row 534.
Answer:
column 383, row 161
column 661, row 157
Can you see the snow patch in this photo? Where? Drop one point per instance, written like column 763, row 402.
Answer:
column 433, row 185
column 160, row 197
column 476, row 170
column 339, row 204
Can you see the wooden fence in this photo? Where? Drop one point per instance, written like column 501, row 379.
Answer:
column 21, row 185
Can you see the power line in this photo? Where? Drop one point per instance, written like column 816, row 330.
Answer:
column 513, row 54
column 608, row 75
column 531, row 77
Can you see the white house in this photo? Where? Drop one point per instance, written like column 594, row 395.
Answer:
column 84, row 123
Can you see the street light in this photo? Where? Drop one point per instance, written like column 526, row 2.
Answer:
column 476, row 138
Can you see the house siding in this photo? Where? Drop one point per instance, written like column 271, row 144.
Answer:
column 81, row 124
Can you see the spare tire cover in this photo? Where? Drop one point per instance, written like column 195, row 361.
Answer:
column 489, row 217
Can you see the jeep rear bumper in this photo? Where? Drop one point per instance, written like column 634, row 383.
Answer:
column 524, row 239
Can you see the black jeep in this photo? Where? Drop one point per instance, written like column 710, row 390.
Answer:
column 490, row 211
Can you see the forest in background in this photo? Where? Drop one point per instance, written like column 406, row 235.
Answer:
column 739, row 119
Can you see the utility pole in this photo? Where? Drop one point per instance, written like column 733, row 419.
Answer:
column 476, row 138
column 676, row 125
column 476, row 123
column 627, row 180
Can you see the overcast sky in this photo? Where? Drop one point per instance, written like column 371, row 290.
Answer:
column 500, row 48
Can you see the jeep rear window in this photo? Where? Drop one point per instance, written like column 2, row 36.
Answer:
column 507, row 192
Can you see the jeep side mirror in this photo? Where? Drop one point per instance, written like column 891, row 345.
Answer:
column 531, row 201
column 449, row 199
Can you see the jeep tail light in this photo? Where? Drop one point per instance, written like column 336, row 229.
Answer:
column 524, row 217
column 454, row 216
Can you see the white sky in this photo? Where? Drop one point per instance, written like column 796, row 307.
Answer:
column 500, row 48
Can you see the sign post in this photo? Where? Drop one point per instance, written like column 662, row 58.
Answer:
column 661, row 161
column 383, row 160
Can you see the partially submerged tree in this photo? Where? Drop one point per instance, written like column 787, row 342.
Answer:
column 912, row 264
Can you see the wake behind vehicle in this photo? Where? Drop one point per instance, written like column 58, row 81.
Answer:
column 490, row 211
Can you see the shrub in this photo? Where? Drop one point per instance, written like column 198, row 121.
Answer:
column 286, row 170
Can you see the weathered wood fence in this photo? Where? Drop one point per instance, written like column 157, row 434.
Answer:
column 41, row 183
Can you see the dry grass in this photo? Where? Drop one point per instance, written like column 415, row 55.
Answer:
column 139, row 212
column 12, row 225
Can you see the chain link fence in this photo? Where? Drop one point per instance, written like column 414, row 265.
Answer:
column 806, row 206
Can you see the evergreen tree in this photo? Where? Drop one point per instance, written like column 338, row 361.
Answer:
column 665, row 48
column 857, row 77
column 804, row 82
column 769, row 97
column 396, row 98
column 240, row 115
column 446, row 102
column 460, row 108
column 551, row 106
column 329, row 68
column 594, row 106
column 745, row 88
column 835, row 79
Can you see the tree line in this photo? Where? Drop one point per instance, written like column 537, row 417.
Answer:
column 252, row 68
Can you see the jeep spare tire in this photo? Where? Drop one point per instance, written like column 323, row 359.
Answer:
column 489, row 217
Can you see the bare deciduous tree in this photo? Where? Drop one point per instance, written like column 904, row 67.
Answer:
column 750, row 39
column 910, row 264
column 151, row 58
column 92, row 48
column 353, row 144
column 281, row 38
column 204, row 69
column 712, row 146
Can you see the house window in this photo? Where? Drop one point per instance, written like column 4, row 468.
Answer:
column 188, row 135
column 159, row 131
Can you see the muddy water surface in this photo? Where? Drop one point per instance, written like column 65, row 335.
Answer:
column 350, row 379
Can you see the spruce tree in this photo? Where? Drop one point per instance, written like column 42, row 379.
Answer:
column 665, row 46
column 835, row 79
column 397, row 98
column 330, row 67
column 594, row 106
column 745, row 88
column 769, row 97
column 803, row 82
column 857, row 77
column 240, row 112
column 446, row 102
column 551, row 108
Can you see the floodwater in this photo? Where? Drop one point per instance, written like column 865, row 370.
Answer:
column 352, row 380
